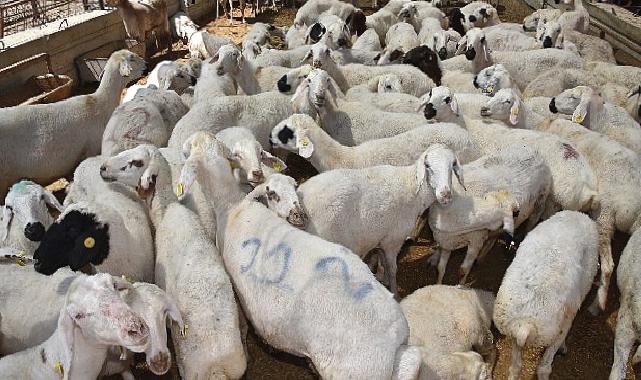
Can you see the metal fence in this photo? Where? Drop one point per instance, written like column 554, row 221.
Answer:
column 19, row 15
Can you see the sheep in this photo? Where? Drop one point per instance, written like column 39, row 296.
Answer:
column 328, row 23
column 574, row 185
column 381, row 21
column 149, row 118
column 457, row 21
column 382, row 84
column 545, row 285
column 403, row 149
column 479, row 14
column 213, row 83
column 415, row 82
column 620, row 211
column 368, row 41
column 523, row 65
column 577, row 19
column 417, row 12
column 332, row 333
column 590, row 48
column 349, row 123
column 149, row 301
column 292, row 79
column 400, row 38
column 626, row 76
column 182, row 27
column 357, row 195
column 25, row 216
column 92, row 318
column 196, row 278
column 451, row 327
column 521, row 172
column 309, row 13
column 508, row 40
column 444, row 43
column 204, row 45
column 588, row 108
column 44, row 142
column 261, row 34
column 141, row 19
column 626, row 333
column 531, row 21
column 169, row 75
column 494, row 78
column 296, row 36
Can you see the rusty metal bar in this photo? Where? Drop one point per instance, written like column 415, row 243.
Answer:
column 19, row 64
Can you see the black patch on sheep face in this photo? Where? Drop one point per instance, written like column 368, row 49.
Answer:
column 547, row 42
column 442, row 53
column 34, row 231
column 456, row 21
column 317, row 31
column 282, row 84
column 553, row 106
column 285, row 134
column 429, row 111
column 470, row 54
column 75, row 241
column 356, row 23
column 423, row 58
column 483, row 11
column 472, row 18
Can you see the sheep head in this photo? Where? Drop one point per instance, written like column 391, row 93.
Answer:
column 138, row 167
column 435, row 166
column 439, row 104
column 426, row 60
column 492, row 79
column 387, row 83
column 549, row 33
column 472, row 44
column 229, row 59
column 576, row 101
column 291, row 134
column 248, row 156
column 504, row 106
column 130, row 65
column 278, row 193
column 293, row 78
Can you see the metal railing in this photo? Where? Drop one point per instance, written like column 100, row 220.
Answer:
column 20, row 15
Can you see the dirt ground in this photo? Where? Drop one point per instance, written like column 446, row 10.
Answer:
column 590, row 341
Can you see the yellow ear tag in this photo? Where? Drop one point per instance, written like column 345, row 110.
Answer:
column 277, row 166
column 304, row 142
column 90, row 242
column 514, row 111
column 578, row 118
column 180, row 189
column 126, row 278
column 489, row 89
column 233, row 164
column 58, row 367
column 183, row 332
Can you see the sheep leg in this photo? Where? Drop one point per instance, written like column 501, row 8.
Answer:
column 605, row 223
column 544, row 368
column 517, row 361
column 434, row 257
column 487, row 349
column 487, row 246
column 473, row 248
column 390, row 252
column 442, row 264
column 624, row 338
column 231, row 11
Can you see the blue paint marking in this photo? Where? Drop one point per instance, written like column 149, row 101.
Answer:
column 361, row 290
column 281, row 253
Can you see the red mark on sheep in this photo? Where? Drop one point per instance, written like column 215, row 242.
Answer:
column 569, row 151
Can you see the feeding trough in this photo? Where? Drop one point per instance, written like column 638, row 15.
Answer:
column 91, row 64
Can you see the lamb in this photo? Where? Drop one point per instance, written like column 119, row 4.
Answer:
column 400, row 38
column 149, row 118
column 349, row 123
column 196, row 278
column 531, row 21
column 523, row 65
column 332, row 333
column 545, row 285
column 451, row 327
column 494, row 78
column 309, row 13
column 143, row 18
column 213, row 83
column 182, row 27
column 590, row 48
column 328, row 23
column 25, row 216
column 92, row 319
column 170, row 75
column 204, row 45
column 368, row 41
column 588, row 108
column 621, row 211
column 147, row 300
column 573, row 182
column 326, row 154
column 626, row 332
column 76, row 123
column 372, row 195
column 480, row 14
column 261, row 34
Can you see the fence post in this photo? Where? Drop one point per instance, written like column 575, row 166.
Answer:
column 1, row 22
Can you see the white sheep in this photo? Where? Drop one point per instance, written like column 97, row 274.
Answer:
column 451, row 327
column 368, row 41
column 545, row 285
column 325, row 153
column 213, row 82
column 531, row 21
column 141, row 19
column 494, row 78
column 204, row 45
column 400, row 38
column 196, row 278
column 148, row 119
column 590, row 48
column 170, row 75
column 588, row 108
column 443, row 42
column 182, row 26
column 262, row 255
column 25, row 216
column 44, row 142
column 92, row 319
column 573, row 183
column 309, row 13
column 353, row 207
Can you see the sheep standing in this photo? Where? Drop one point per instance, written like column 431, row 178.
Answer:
column 400, row 38
column 44, row 142
column 451, row 327
column 263, row 255
column 141, row 18
column 590, row 48
column 204, row 45
column 196, row 278
column 182, row 27
column 545, row 285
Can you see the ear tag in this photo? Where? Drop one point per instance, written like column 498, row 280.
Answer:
column 514, row 111
column 58, row 367
column 578, row 118
column 304, row 142
column 180, row 189
column 90, row 242
column 183, row 332
column 233, row 164
column 125, row 277
column 489, row 89
column 277, row 166
column 20, row 260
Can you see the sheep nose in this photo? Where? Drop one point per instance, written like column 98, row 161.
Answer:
column 553, row 108
column 317, row 64
column 159, row 364
column 342, row 42
column 282, row 84
column 34, row 231
column 524, row 28
column 485, row 111
column 470, row 54
column 103, row 169
column 444, row 196
column 258, row 175
column 429, row 111
column 442, row 53
column 515, row 214
column 297, row 217
column 547, row 42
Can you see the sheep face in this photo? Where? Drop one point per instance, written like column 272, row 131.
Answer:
column 319, row 84
column 278, row 193
column 130, row 64
column 175, row 78
column 440, row 104
column 229, row 60
column 357, row 22
column 575, row 102
column 94, row 304
column 549, row 34
column 76, row 239
column 154, row 306
column 457, row 21
column 492, row 79
column 426, row 60
column 26, row 210
column 440, row 40
column 505, row 106
column 134, row 167
column 473, row 43
column 408, row 11
column 436, row 166
column 293, row 79
column 248, row 157
column 290, row 136
column 319, row 53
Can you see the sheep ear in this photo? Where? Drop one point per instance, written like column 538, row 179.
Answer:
column 187, row 176
column 305, row 146
column 454, row 105
column 635, row 91
column 125, row 68
column 307, row 56
column 582, row 109
column 174, row 313
column 301, row 91
column 461, row 45
column 372, row 84
column 458, row 172
column 514, row 112
column 273, row 162
column 7, row 215
column 65, row 331
column 51, row 201
column 259, row 194
column 147, row 182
